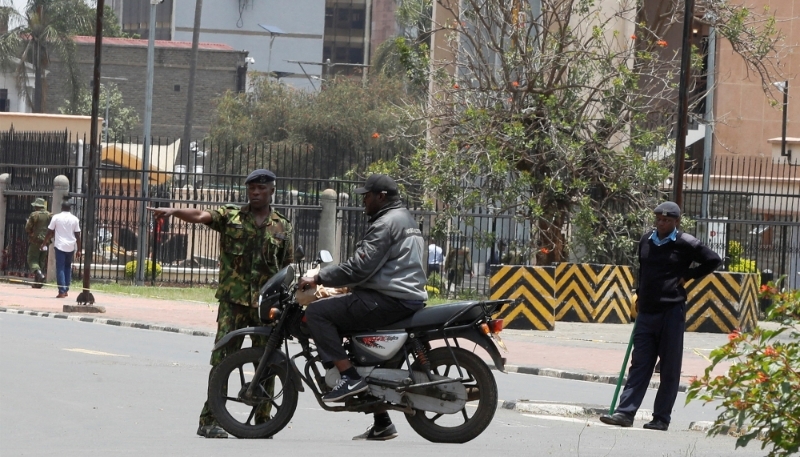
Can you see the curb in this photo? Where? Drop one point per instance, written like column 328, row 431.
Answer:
column 567, row 410
column 589, row 377
column 548, row 372
column 730, row 430
column 116, row 322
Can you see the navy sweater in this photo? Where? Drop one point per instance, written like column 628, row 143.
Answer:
column 661, row 267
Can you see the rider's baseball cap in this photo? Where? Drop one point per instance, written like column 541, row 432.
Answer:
column 379, row 183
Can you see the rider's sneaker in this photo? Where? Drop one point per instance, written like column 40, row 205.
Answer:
column 375, row 433
column 211, row 431
column 345, row 388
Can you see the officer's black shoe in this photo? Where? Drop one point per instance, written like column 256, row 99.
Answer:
column 619, row 419
column 656, row 424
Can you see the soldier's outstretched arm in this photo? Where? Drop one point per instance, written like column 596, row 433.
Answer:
column 191, row 215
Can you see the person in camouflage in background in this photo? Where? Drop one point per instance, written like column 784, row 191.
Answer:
column 255, row 242
column 36, row 228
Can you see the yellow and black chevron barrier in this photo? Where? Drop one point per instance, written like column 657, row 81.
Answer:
column 719, row 303
column 593, row 293
column 534, row 287
column 722, row 302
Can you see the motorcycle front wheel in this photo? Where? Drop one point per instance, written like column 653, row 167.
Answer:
column 481, row 405
column 267, row 412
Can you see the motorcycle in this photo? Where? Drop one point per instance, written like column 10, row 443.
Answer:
column 418, row 366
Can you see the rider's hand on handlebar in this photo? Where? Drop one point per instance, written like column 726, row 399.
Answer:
column 306, row 282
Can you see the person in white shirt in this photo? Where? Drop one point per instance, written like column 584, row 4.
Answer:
column 65, row 230
column 435, row 258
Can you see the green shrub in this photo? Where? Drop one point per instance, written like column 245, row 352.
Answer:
column 760, row 393
column 435, row 284
column 130, row 269
column 737, row 264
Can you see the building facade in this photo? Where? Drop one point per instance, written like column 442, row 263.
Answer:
column 220, row 68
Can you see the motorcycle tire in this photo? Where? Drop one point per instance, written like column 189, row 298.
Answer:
column 230, row 378
column 481, row 387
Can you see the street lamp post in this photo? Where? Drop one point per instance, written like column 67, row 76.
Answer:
column 141, row 250
column 273, row 32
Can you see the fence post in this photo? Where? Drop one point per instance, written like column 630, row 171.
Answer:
column 60, row 192
column 327, row 224
column 4, row 179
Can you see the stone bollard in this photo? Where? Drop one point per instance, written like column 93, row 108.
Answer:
column 327, row 224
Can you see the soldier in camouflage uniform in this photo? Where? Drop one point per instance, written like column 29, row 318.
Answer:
column 255, row 242
column 36, row 228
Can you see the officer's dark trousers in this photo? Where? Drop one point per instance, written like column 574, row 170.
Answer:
column 362, row 309
column 658, row 335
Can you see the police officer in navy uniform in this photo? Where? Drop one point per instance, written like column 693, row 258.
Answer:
column 665, row 257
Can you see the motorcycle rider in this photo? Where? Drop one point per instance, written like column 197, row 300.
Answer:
column 386, row 278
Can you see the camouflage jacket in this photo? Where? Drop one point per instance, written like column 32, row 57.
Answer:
column 36, row 227
column 249, row 254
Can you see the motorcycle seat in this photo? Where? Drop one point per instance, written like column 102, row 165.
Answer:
column 435, row 316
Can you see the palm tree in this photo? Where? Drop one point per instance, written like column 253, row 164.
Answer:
column 46, row 28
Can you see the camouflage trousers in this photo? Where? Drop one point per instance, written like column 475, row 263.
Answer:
column 232, row 317
column 37, row 259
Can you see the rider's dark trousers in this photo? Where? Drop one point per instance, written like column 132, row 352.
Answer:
column 362, row 309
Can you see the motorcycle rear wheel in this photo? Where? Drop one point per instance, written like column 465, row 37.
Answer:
column 261, row 417
column 482, row 399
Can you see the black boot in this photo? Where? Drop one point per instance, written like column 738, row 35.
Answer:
column 38, row 279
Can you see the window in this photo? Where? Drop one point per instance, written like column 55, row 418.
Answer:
column 5, row 103
column 357, row 21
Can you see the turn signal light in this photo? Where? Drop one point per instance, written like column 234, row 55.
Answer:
column 495, row 325
column 274, row 314
column 485, row 328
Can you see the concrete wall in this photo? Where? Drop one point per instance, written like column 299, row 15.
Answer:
column 79, row 127
column 216, row 74
column 303, row 21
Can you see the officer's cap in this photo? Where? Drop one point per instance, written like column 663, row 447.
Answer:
column 39, row 203
column 260, row 176
column 379, row 183
column 670, row 209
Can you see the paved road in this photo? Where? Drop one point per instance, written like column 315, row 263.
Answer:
column 71, row 388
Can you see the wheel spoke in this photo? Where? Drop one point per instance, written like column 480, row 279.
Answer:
column 241, row 376
column 233, row 399
column 436, row 417
column 252, row 414
column 464, row 413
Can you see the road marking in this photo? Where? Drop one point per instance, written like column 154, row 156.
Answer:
column 91, row 352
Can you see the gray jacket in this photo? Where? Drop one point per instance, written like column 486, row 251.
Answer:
column 389, row 259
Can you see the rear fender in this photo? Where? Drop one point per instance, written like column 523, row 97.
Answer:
column 483, row 340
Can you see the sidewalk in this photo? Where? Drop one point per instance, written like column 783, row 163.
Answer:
column 589, row 352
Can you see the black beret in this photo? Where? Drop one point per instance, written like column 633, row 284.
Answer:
column 670, row 209
column 260, row 176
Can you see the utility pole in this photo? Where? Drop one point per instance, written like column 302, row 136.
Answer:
column 86, row 297
column 683, row 103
